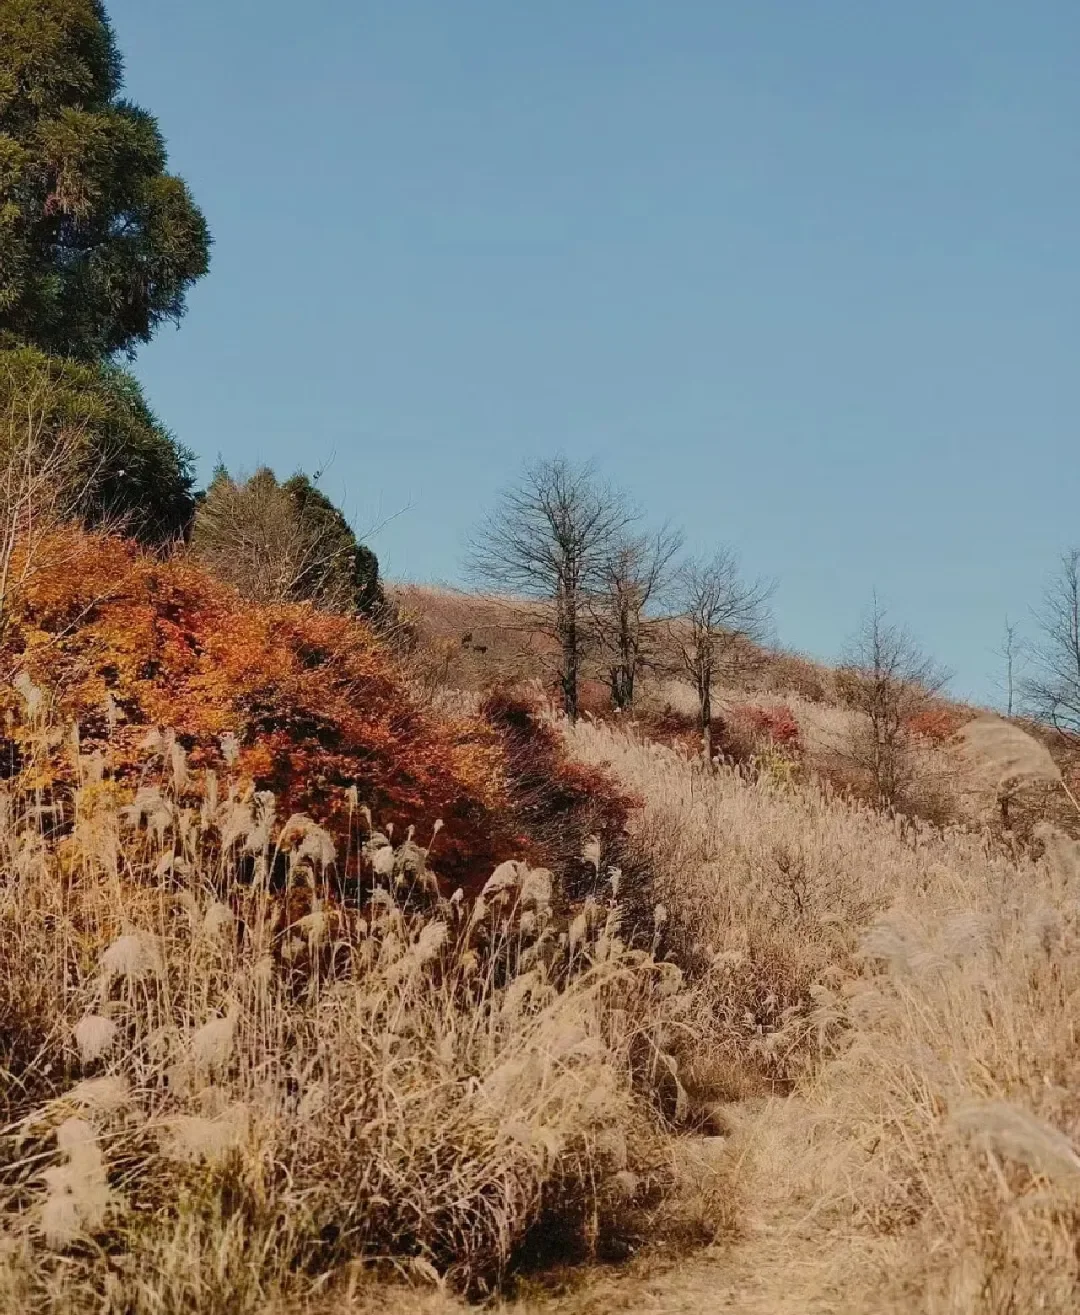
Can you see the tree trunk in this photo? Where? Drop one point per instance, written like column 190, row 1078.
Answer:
column 626, row 662
column 705, row 713
column 570, row 667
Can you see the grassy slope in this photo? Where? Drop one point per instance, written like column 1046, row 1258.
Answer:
column 881, row 1033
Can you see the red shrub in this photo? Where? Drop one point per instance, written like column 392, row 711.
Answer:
column 120, row 641
column 558, row 804
column 937, row 724
column 737, row 736
column 680, row 730
column 594, row 699
column 775, row 726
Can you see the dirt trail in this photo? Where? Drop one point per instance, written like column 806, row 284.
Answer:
column 753, row 1277
column 768, row 1270
column 777, row 1265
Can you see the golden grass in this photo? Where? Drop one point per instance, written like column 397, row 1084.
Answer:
column 916, row 991
column 209, row 1105
column 206, row 1105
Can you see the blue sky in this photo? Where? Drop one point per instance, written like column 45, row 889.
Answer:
column 802, row 277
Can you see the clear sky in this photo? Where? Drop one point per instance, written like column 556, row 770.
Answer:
column 803, row 276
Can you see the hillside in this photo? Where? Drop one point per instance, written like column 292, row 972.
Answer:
column 566, row 947
column 771, row 705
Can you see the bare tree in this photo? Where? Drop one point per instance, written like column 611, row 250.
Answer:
column 888, row 679
column 1012, row 652
column 1053, row 691
column 720, row 614
column 42, row 483
column 547, row 541
column 634, row 577
column 263, row 538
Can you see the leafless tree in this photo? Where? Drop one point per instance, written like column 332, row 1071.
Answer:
column 1012, row 651
column 1053, row 690
column 42, row 481
column 888, row 679
column 634, row 577
column 719, row 615
column 547, row 541
column 249, row 533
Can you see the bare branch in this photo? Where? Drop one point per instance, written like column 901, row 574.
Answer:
column 1013, row 654
column 42, row 482
column 886, row 678
column 636, row 575
column 720, row 614
column 1053, row 691
column 548, row 541
column 253, row 534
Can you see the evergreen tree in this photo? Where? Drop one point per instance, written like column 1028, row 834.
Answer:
column 98, row 243
column 284, row 543
column 114, row 463
column 354, row 564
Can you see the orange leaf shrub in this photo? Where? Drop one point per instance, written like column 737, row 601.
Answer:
column 937, row 724
column 313, row 703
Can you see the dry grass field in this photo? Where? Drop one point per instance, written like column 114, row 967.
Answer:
column 837, row 1074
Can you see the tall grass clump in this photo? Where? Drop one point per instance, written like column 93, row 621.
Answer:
column 224, row 1084
column 768, row 886
column 910, row 994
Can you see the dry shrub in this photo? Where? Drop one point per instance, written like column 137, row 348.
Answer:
column 204, row 1111
column 767, row 728
column 937, row 723
column 594, row 698
column 790, row 673
column 309, row 704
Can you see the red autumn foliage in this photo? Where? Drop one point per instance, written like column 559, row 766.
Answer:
column 775, row 726
column 937, row 723
column 679, row 730
column 121, row 641
column 737, row 736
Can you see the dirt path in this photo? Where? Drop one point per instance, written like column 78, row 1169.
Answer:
column 776, row 1266
column 768, row 1273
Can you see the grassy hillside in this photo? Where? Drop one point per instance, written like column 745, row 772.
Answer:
column 260, row 1052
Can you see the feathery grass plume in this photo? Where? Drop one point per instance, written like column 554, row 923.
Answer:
column 151, row 806
column 1005, row 756
column 1017, row 1134
column 318, row 846
column 212, row 1044
column 179, row 764
column 263, row 810
column 94, row 1035
column 32, row 696
column 218, row 920
column 964, row 934
column 537, row 886
column 78, row 1197
column 193, row 1137
column 134, row 955
column 230, row 748
column 507, row 876
column 105, row 1095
